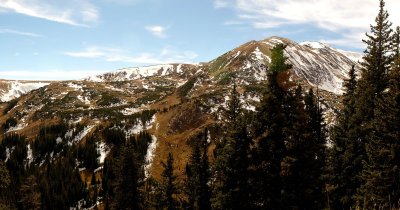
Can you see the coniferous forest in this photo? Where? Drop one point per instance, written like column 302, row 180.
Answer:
column 282, row 156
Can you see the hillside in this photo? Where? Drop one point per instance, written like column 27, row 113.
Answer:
column 186, row 98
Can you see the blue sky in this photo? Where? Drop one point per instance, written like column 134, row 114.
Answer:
column 70, row 39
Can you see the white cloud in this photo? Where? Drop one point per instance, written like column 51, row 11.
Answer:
column 16, row 32
column 122, row 2
column 351, row 18
column 73, row 12
column 94, row 52
column 156, row 30
column 166, row 55
column 220, row 3
column 350, row 40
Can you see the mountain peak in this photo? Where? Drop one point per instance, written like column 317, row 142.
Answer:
column 315, row 63
column 315, row 45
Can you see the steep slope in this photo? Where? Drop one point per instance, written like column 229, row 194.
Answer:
column 314, row 63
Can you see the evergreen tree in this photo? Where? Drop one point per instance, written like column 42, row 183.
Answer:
column 193, row 177
column 5, row 181
column 315, row 154
column 375, row 67
column 231, row 164
column 376, row 61
column 396, row 50
column 269, row 131
column 169, row 188
column 127, row 193
column 197, row 172
column 373, row 82
column 346, row 153
column 304, row 159
column 16, row 166
column 205, row 191
column 60, row 183
column 293, row 174
column 30, row 194
column 109, row 177
column 382, row 171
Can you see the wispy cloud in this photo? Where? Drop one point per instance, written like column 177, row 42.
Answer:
column 350, row 19
column 122, row 2
column 220, row 3
column 165, row 55
column 157, row 30
column 95, row 52
column 77, row 13
column 16, row 32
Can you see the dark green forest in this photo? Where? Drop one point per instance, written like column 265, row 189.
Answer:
column 282, row 156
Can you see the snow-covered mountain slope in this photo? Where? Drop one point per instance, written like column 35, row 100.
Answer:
column 13, row 89
column 133, row 73
column 314, row 63
column 321, row 65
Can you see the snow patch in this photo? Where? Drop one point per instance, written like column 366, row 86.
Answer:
column 59, row 140
column 151, row 149
column 121, row 103
column 130, row 111
column 133, row 73
column 237, row 54
column 259, row 55
column 140, row 126
column 114, row 89
column 29, row 154
column 208, row 137
column 179, row 69
column 276, row 41
column 178, row 84
column 354, row 56
column 103, row 151
column 8, row 153
column 75, row 86
column 17, row 88
column 17, row 127
column 82, row 134
column 314, row 45
column 324, row 69
column 85, row 99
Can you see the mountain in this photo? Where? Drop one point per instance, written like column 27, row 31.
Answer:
column 183, row 99
column 10, row 89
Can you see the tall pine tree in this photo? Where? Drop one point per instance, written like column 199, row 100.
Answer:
column 373, row 82
column 193, row 169
column 382, row 172
column 347, row 152
column 271, row 119
column 315, row 154
column 205, row 175
column 169, row 188
column 198, row 176
column 304, row 160
column 127, row 193
column 231, row 164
